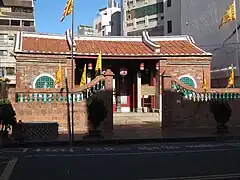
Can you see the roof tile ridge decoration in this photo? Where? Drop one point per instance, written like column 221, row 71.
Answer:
column 148, row 42
column 18, row 42
column 69, row 40
column 191, row 40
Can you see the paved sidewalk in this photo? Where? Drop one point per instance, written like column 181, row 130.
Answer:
column 129, row 134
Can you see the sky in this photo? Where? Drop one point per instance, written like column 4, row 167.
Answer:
column 48, row 14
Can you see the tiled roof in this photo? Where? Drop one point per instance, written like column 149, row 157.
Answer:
column 109, row 46
column 44, row 45
column 112, row 47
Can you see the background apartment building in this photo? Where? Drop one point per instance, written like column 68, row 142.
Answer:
column 108, row 20
column 15, row 15
column 139, row 15
column 85, row 30
column 197, row 18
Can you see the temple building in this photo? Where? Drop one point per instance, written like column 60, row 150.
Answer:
column 135, row 62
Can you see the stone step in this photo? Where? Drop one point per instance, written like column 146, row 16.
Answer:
column 134, row 114
column 135, row 118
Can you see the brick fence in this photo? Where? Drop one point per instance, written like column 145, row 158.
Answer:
column 29, row 110
column 179, row 112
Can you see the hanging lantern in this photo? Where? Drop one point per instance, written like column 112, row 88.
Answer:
column 89, row 66
column 142, row 66
column 123, row 72
column 157, row 66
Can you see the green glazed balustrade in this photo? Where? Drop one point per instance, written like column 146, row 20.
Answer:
column 57, row 97
column 191, row 95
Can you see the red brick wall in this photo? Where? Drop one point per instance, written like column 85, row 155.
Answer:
column 28, row 68
column 181, row 113
column 52, row 112
column 176, row 67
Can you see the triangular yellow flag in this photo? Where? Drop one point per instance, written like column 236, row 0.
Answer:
column 84, row 76
column 58, row 75
column 231, row 78
column 204, row 82
column 230, row 14
column 98, row 68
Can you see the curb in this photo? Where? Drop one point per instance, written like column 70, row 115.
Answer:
column 122, row 141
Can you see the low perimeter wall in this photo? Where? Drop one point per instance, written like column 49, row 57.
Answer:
column 50, row 105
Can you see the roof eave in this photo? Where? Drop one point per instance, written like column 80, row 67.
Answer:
column 109, row 56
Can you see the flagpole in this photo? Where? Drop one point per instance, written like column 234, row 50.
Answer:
column 68, row 107
column 237, row 34
column 72, row 59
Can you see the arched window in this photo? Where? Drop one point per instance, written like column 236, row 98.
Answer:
column 44, row 81
column 188, row 80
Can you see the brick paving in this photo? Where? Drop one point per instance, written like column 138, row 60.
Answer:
column 153, row 131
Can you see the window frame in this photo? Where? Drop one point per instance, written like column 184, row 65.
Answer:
column 169, row 3
column 190, row 77
column 169, row 26
column 40, row 76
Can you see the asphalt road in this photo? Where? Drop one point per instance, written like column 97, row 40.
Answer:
column 149, row 161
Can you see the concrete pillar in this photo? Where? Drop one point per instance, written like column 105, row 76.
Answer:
column 108, row 123
column 139, row 93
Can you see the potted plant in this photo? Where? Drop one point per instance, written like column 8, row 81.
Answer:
column 97, row 113
column 7, row 113
column 222, row 113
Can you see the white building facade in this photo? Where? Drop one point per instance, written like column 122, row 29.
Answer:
column 15, row 16
column 103, row 22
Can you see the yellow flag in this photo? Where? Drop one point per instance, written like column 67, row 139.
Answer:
column 99, row 63
column 58, row 75
column 1, row 14
column 84, row 76
column 230, row 14
column 67, row 10
column 231, row 78
column 204, row 82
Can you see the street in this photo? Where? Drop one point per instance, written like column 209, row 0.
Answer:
column 144, row 161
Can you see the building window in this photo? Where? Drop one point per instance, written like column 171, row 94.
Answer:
column 15, row 22
column 188, row 80
column 169, row 26
column 3, row 53
column 148, row 10
column 10, row 71
column 28, row 23
column 129, row 24
column 169, row 3
column 11, row 37
column 4, row 22
column 44, row 81
column 160, row 7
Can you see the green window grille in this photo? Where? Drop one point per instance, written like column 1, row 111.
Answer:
column 44, row 82
column 188, row 81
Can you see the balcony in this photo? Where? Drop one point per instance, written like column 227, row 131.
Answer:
column 17, row 28
column 21, row 15
column 6, row 44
